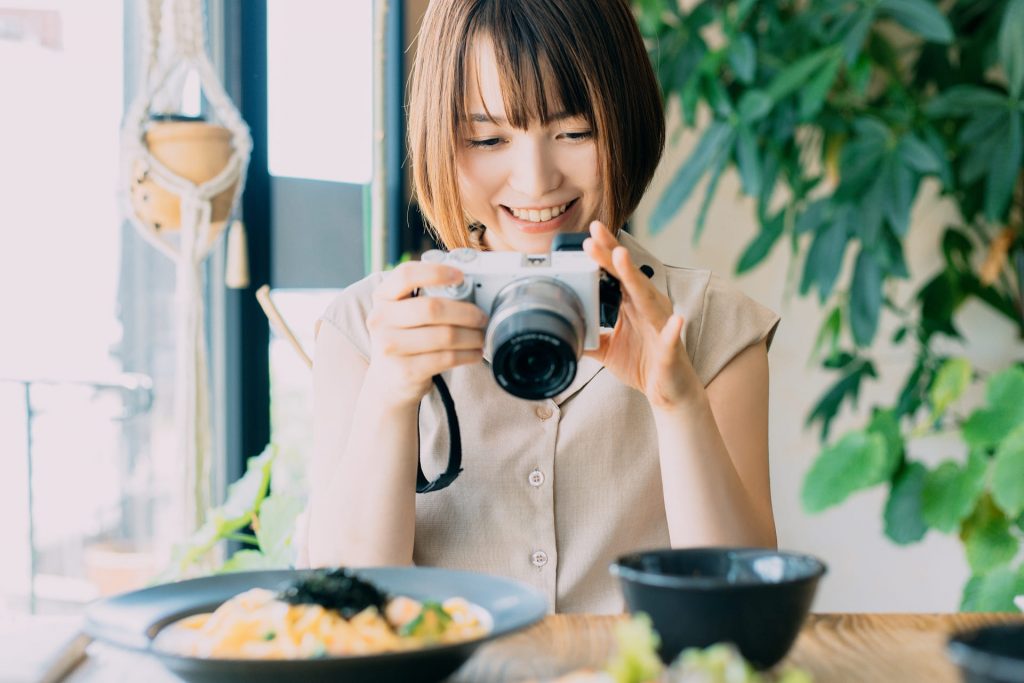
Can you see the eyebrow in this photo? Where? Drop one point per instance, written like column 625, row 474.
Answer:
column 484, row 118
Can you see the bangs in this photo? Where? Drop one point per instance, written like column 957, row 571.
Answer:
column 541, row 77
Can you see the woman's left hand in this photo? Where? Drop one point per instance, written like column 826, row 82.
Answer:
column 645, row 349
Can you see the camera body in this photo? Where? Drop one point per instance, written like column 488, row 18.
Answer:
column 545, row 310
column 487, row 273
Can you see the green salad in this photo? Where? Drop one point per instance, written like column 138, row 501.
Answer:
column 636, row 661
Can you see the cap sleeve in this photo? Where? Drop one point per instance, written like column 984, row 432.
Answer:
column 721, row 321
column 348, row 311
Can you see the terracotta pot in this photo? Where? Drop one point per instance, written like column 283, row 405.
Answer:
column 195, row 150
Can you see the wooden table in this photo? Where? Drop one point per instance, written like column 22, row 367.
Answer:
column 833, row 648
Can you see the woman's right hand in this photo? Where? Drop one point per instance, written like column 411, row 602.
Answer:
column 414, row 338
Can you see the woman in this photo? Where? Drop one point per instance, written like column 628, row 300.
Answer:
column 529, row 118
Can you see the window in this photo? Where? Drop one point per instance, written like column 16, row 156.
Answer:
column 87, row 362
column 320, row 83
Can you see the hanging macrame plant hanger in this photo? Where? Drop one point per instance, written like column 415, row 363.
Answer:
column 184, row 177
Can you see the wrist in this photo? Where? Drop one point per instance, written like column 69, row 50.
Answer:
column 693, row 405
column 379, row 390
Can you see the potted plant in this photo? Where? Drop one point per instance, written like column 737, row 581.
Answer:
column 835, row 114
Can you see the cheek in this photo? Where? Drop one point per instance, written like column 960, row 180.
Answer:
column 478, row 177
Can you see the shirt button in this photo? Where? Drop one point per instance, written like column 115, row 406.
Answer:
column 544, row 412
column 536, row 478
column 539, row 558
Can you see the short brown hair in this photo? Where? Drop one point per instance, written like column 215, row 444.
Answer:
column 594, row 52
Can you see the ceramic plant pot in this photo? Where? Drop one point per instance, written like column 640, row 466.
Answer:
column 195, row 150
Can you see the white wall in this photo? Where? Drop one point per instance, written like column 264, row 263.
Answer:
column 866, row 571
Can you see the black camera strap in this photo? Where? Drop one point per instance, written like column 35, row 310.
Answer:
column 454, row 450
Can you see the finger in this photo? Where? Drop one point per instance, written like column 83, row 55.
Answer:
column 600, row 255
column 412, row 275
column 428, row 310
column 671, row 333
column 602, row 235
column 641, row 292
column 436, row 362
column 421, row 340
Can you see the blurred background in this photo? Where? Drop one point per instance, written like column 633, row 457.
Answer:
column 829, row 158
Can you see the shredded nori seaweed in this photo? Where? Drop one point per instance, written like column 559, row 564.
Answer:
column 338, row 589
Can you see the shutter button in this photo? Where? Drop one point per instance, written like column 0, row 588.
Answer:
column 536, row 478
column 539, row 558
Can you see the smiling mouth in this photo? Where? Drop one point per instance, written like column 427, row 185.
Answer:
column 539, row 216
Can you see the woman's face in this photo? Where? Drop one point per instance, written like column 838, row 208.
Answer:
column 525, row 186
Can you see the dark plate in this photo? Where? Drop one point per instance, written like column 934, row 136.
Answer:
column 132, row 621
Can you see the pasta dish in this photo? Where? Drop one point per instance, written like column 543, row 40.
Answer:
column 329, row 613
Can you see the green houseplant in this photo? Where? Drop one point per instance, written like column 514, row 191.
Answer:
column 250, row 505
column 835, row 114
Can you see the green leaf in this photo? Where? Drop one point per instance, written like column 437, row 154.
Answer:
column 920, row 16
column 951, row 492
column 988, row 541
column 903, row 521
column 754, row 106
column 828, row 333
column 899, row 199
column 825, row 257
column 1003, row 170
column 812, row 96
column 762, row 244
column 717, row 137
column 246, row 494
column 918, row 155
column 1008, row 473
column 848, row 387
column 748, row 161
column 865, row 298
column 717, row 168
column 986, row 427
column 743, row 57
column 1011, row 45
column 794, row 76
column 889, row 253
column 855, row 462
column 853, row 42
column 277, row 517
column 886, row 424
column 951, row 381
column 993, row 592
column 963, row 100
column 813, row 216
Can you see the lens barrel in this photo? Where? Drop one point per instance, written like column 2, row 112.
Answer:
column 535, row 337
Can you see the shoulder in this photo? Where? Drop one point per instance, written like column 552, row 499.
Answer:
column 725, row 321
column 347, row 312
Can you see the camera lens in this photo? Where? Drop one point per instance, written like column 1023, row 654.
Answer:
column 535, row 337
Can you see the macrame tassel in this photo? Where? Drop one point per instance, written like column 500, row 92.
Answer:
column 236, row 271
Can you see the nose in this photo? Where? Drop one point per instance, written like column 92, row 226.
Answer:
column 535, row 171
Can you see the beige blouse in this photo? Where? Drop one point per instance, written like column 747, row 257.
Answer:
column 553, row 491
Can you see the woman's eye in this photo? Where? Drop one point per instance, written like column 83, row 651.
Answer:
column 488, row 142
column 581, row 135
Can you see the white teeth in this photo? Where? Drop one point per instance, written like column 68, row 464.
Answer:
column 539, row 215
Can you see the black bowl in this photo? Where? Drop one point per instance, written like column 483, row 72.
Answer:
column 754, row 598
column 991, row 654
column 133, row 620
